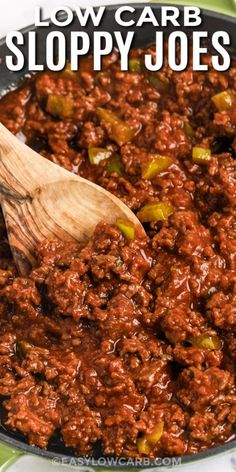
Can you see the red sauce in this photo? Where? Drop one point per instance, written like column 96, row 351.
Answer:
column 106, row 342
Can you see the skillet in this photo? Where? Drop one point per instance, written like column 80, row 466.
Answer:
column 56, row 451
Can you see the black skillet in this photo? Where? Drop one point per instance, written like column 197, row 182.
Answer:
column 56, row 451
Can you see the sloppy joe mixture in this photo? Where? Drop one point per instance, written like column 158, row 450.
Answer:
column 128, row 343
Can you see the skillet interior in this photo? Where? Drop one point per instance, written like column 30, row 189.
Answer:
column 211, row 22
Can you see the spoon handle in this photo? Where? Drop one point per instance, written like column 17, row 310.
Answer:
column 22, row 170
column 23, row 173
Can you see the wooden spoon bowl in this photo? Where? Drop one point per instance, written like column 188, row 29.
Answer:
column 41, row 200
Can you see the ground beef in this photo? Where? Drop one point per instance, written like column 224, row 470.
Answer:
column 105, row 342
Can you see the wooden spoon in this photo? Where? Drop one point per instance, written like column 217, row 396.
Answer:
column 41, row 200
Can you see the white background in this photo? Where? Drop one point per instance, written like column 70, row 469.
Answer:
column 16, row 14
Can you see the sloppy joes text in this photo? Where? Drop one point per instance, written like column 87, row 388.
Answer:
column 87, row 34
